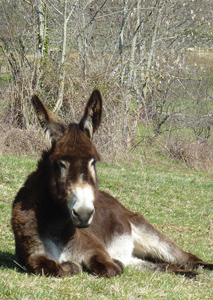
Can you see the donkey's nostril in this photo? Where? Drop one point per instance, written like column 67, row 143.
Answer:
column 75, row 214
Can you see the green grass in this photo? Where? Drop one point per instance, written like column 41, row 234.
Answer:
column 177, row 200
column 4, row 79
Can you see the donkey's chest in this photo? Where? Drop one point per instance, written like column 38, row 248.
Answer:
column 61, row 251
column 54, row 248
column 55, row 236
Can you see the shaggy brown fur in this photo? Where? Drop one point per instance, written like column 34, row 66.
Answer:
column 62, row 222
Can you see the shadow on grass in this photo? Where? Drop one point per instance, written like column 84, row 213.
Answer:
column 7, row 261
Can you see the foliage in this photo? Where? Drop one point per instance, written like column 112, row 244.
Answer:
column 151, row 60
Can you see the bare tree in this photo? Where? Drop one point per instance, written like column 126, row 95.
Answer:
column 42, row 44
column 135, row 51
column 66, row 17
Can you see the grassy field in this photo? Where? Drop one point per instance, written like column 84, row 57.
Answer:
column 177, row 200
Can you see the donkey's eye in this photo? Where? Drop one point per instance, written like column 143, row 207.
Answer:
column 92, row 167
column 63, row 165
column 92, row 162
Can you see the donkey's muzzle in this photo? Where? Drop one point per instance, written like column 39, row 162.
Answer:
column 83, row 218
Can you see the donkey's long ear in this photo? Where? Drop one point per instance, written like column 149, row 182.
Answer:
column 53, row 125
column 92, row 114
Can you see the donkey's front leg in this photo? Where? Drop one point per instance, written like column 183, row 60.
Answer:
column 42, row 265
column 149, row 243
column 95, row 259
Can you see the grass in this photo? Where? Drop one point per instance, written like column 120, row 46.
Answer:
column 177, row 200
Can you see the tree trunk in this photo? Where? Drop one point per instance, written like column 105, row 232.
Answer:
column 62, row 72
column 133, row 46
column 121, row 39
column 151, row 51
column 42, row 41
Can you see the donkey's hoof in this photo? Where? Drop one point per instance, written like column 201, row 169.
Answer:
column 71, row 267
column 120, row 264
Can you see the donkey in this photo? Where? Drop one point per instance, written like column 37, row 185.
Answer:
column 64, row 224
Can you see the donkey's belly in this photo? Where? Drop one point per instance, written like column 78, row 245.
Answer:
column 121, row 248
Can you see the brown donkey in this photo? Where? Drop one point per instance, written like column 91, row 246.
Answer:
column 63, row 223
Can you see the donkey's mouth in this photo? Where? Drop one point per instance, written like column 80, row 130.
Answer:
column 82, row 226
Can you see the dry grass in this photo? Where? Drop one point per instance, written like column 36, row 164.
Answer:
column 195, row 154
column 200, row 57
column 16, row 141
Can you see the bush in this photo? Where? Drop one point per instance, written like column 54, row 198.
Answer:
column 196, row 154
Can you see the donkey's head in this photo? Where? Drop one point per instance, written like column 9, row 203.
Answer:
column 72, row 158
